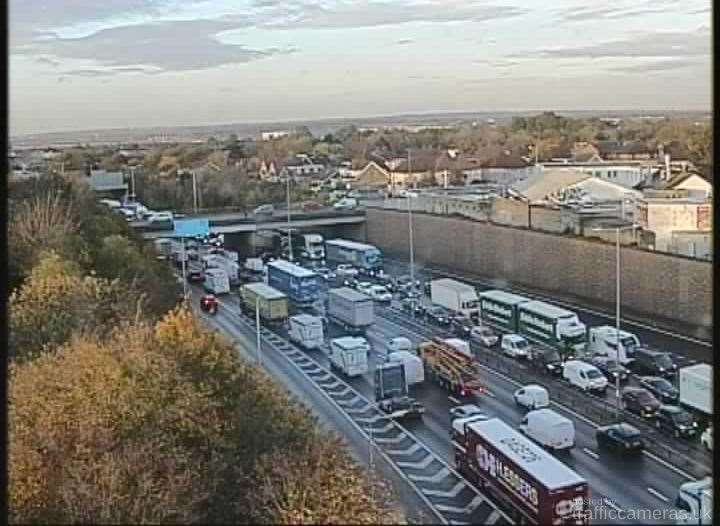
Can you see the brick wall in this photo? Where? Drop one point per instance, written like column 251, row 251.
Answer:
column 509, row 212
column 546, row 219
column 653, row 284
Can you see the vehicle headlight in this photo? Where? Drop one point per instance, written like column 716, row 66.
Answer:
column 551, row 367
column 661, row 369
column 648, row 408
column 695, row 424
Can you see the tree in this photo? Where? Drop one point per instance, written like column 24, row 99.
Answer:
column 164, row 424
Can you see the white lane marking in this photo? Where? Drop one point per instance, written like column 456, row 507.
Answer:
column 605, row 315
column 610, row 503
column 591, row 453
column 490, row 394
column 658, row 494
column 454, row 400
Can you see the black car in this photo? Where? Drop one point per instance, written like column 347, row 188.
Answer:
column 546, row 359
column 461, row 326
column 639, row 401
column 620, row 437
column 437, row 314
column 404, row 283
column 675, row 420
column 610, row 368
column 660, row 387
column 351, row 282
column 652, row 362
column 411, row 305
column 195, row 276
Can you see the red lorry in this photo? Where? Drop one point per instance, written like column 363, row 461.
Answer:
column 532, row 485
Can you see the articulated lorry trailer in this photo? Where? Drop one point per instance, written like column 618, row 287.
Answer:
column 352, row 310
column 529, row 483
column 302, row 286
column 537, row 321
column 272, row 303
column 365, row 257
column 695, row 383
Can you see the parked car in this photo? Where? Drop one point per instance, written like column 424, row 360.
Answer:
column 380, row 293
column 639, row 401
column 325, row 273
column 438, row 315
column 674, row 419
column 128, row 214
column 584, row 376
column 660, row 387
column 465, row 411
column 160, row 217
column 653, row 362
column 266, row 209
column 514, row 345
column 484, row 335
column 620, row 437
column 345, row 270
column 412, row 305
column 532, row 396
column 706, row 439
column 346, row 203
column 462, row 326
column 546, row 359
column 610, row 368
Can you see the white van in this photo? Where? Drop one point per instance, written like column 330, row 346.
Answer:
column 514, row 345
column 584, row 376
column 349, row 355
column 399, row 344
column 603, row 341
column 549, row 428
column 532, row 396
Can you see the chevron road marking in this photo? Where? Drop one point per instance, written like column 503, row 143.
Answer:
column 409, row 451
column 492, row 518
column 394, row 440
column 452, row 493
column 437, row 477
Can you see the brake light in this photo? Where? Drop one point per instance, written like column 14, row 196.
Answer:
column 462, row 392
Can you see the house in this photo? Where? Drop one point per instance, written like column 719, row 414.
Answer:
column 696, row 185
column 507, row 167
column 585, row 152
column 372, row 177
column 270, row 135
column 666, row 212
column 623, row 151
column 269, row 171
column 302, row 165
column 630, row 174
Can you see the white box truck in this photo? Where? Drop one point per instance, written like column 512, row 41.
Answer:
column 313, row 247
column 549, row 429
column 349, row 355
column 414, row 371
column 457, row 297
column 350, row 309
column 306, row 331
column 695, row 385
column 216, row 281
column 231, row 268
column 602, row 341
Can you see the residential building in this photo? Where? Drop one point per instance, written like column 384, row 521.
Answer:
column 372, row 177
column 668, row 211
column 691, row 243
column 108, row 183
column 629, row 174
column 696, row 186
column 270, row 135
column 625, row 151
column 507, row 167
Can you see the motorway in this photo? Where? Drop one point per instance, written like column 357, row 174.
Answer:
column 617, row 483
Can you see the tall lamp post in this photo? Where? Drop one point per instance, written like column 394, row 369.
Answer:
column 290, row 251
column 411, row 247
column 617, row 230
column 257, row 330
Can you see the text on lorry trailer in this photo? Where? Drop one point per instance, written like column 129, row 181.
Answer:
column 497, row 469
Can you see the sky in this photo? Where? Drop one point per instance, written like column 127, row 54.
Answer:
column 89, row 64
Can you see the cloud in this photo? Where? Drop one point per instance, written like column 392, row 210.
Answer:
column 48, row 61
column 405, row 41
column 340, row 15
column 591, row 14
column 169, row 46
column 661, row 44
column 659, row 65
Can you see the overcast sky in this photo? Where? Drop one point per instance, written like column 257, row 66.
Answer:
column 83, row 64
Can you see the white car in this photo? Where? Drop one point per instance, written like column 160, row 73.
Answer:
column 346, row 203
column 364, row 287
column 706, row 439
column 515, row 346
column 484, row 335
column 532, row 396
column 127, row 213
column 346, row 271
column 159, row 217
column 379, row 293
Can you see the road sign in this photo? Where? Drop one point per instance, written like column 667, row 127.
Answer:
column 191, row 227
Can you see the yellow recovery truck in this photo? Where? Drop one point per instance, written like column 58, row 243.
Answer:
column 452, row 366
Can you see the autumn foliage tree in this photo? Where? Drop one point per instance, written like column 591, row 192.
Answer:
column 164, row 424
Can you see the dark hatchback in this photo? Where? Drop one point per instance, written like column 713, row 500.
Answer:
column 438, row 315
column 546, row 359
column 610, row 368
column 640, row 401
column 461, row 326
column 675, row 420
column 412, row 305
column 660, row 387
column 620, row 437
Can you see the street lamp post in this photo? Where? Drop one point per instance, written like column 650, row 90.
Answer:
column 132, row 181
column 257, row 330
column 184, row 271
column 617, row 307
column 195, row 197
column 290, row 251
column 411, row 247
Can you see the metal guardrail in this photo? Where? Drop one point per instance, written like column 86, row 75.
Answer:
column 597, row 410
column 451, row 497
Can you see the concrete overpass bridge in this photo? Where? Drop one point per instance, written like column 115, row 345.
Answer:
column 240, row 231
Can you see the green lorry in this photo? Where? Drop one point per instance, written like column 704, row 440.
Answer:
column 273, row 303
